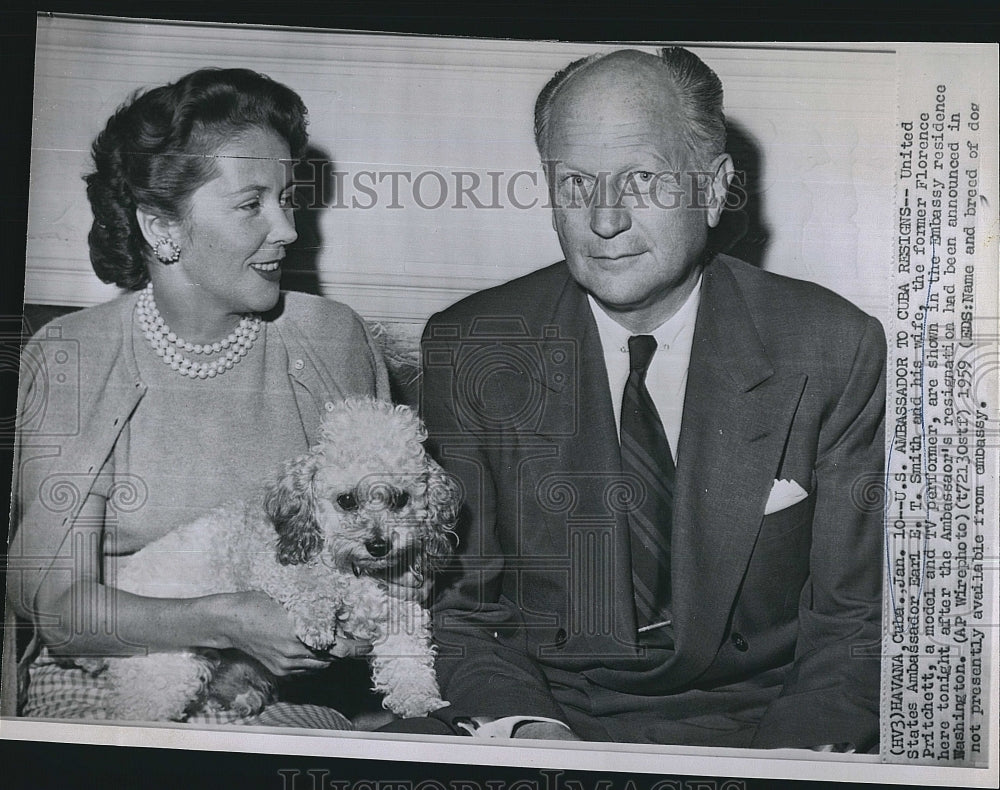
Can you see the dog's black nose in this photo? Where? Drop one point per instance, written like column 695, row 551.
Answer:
column 377, row 547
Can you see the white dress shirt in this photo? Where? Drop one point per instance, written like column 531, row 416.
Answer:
column 666, row 379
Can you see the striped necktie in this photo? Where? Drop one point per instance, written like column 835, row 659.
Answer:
column 647, row 461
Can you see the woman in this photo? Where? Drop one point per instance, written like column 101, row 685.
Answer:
column 191, row 388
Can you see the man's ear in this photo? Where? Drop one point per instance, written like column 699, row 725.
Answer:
column 722, row 172
column 154, row 227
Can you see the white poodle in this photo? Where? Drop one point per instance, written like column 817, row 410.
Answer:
column 365, row 503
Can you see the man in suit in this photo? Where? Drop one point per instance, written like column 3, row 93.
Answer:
column 668, row 456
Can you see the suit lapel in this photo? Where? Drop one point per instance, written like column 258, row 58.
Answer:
column 591, row 459
column 737, row 414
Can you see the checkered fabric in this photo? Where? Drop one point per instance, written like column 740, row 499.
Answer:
column 57, row 692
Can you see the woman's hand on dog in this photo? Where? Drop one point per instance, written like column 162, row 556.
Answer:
column 257, row 624
column 347, row 647
column 410, row 586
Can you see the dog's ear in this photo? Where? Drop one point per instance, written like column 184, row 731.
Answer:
column 291, row 505
column 444, row 499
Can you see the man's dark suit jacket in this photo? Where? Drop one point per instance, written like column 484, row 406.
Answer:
column 777, row 617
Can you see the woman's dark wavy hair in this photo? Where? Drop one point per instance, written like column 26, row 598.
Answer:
column 155, row 152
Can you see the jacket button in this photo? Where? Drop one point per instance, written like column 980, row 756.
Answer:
column 298, row 364
column 560, row 639
column 739, row 642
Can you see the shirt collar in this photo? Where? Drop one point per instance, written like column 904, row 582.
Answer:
column 668, row 334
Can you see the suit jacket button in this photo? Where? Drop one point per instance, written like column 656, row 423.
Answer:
column 739, row 642
column 560, row 639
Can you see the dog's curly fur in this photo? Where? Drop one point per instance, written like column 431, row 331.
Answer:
column 366, row 502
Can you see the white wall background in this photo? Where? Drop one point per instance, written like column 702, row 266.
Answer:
column 822, row 120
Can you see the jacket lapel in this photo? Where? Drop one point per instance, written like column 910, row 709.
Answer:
column 590, row 459
column 737, row 415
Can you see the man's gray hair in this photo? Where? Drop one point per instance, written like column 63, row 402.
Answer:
column 698, row 87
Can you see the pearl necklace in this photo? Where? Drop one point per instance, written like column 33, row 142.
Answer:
column 170, row 348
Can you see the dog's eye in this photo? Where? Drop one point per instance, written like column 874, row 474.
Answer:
column 398, row 499
column 348, row 501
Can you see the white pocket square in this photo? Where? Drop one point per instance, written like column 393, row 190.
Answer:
column 784, row 493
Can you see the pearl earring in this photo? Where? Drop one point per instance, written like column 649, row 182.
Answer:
column 166, row 250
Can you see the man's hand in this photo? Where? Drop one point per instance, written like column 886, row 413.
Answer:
column 544, row 730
